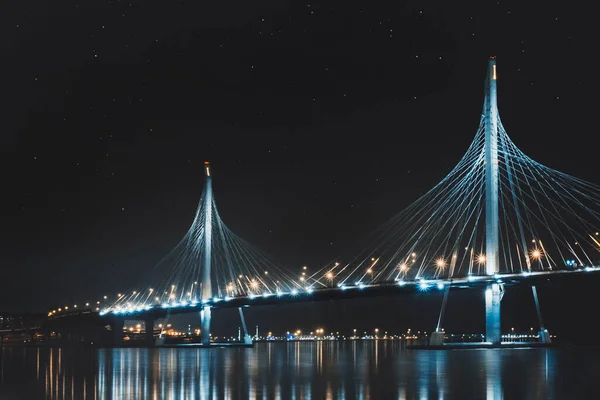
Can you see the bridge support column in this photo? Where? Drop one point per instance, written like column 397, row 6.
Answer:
column 117, row 331
column 205, row 315
column 493, row 296
column 544, row 335
column 437, row 337
column 149, row 334
column 247, row 338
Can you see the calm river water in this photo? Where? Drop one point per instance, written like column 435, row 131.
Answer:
column 299, row 370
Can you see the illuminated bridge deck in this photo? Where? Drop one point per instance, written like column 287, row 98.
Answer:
column 343, row 292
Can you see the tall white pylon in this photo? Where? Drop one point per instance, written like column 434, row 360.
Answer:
column 493, row 292
column 205, row 314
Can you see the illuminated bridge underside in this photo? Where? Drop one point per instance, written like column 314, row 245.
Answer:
column 350, row 292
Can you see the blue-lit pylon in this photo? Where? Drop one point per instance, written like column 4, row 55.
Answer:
column 493, row 292
column 205, row 314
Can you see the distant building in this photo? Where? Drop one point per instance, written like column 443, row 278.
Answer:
column 4, row 322
column 11, row 321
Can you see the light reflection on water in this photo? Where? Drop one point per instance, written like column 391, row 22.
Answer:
column 301, row 370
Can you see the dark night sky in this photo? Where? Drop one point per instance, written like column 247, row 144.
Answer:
column 321, row 119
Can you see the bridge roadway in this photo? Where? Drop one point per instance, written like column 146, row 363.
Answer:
column 156, row 311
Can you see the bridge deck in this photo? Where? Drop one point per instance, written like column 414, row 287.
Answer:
column 346, row 292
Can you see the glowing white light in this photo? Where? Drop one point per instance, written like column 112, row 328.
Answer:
column 294, row 292
column 423, row 285
column 440, row 285
column 329, row 275
column 440, row 263
column 309, row 290
column 401, row 282
column 481, row 259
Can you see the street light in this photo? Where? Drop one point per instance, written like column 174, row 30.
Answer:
column 440, row 263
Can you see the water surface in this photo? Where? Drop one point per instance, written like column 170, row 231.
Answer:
column 299, row 370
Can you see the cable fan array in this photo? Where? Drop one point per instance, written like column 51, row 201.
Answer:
column 237, row 268
column 548, row 220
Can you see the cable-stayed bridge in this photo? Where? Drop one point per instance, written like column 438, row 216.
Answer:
column 498, row 218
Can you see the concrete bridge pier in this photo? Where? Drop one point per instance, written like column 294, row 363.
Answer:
column 493, row 296
column 116, row 326
column 205, row 316
column 544, row 335
column 149, row 331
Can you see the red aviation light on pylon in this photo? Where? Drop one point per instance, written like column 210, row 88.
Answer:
column 207, row 168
